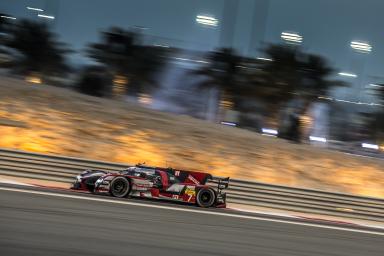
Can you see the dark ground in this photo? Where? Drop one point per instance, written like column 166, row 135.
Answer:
column 44, row 225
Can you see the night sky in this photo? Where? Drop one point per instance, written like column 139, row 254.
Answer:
column 328, row 26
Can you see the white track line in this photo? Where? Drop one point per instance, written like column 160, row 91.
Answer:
column 264, row 212
column 190, row 210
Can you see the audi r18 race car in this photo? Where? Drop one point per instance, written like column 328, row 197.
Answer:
column 190, row 187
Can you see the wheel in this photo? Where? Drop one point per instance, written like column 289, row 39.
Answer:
column 205, row 197
column 120, row 187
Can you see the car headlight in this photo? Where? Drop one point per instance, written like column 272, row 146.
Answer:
column 101, row 181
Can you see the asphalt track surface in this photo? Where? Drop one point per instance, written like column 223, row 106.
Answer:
column 42, row 224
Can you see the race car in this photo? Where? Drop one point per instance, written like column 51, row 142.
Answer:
column 191, row 187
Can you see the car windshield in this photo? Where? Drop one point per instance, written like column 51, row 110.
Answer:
column 129, row 171
column 135, row 171
column 172, row 178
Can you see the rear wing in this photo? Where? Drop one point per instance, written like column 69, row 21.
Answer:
column 219, row 182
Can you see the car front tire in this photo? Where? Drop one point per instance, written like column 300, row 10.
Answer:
column 120, row 187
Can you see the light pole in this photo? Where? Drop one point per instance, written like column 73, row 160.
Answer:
column 258, row 26
column 361, row 48
column 228, row 24
column 292, row 37
column 348, row 94
column 207, row 20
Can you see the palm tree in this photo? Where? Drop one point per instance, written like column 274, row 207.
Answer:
column 376, row 123
column 380, row 92
column 3, row 23
column 4, row 27
column 282, row 74
column 315, row 81
column 292, row 73
column 222, row 73
column 94, row 81
column 293, row 77
column 35, row 50
column 121, row 52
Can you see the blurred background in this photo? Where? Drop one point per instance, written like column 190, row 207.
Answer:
column 285, row 97
column 304, row 71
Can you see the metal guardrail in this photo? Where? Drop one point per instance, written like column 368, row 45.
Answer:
column 63, row 169
column 355, row 148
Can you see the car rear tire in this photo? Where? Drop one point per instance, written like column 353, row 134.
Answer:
column 120, row 187
column 205, row 197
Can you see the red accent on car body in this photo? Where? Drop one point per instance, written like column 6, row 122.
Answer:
column 164, row 179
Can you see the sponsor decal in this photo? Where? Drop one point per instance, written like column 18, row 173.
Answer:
column 175, row 188
column 191, row 178
column 190, row 191
column 142, row 185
